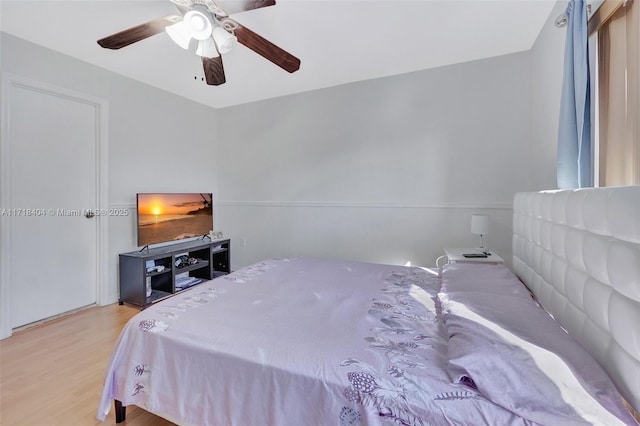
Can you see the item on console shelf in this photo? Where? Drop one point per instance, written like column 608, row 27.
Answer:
column 185, row 260
column 185, row 281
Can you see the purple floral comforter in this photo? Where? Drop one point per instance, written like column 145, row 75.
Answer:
column 299, row 341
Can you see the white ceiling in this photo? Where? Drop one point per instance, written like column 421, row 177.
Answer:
column 338, row 41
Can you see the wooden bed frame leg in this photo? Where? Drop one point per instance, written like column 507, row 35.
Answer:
column 121, row 411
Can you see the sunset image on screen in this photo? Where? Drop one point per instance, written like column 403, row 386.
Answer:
column 167, row 217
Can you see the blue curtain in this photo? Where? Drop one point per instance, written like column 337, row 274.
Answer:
column 574, row 134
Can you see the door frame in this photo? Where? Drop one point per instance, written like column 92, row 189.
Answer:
column 101, row 109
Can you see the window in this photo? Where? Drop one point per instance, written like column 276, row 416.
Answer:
column 616, row 27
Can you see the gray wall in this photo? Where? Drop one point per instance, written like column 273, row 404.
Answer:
column 157, row 141
column 547, row 63
column 387, row 170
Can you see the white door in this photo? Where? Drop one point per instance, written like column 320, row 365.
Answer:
column 52, row 147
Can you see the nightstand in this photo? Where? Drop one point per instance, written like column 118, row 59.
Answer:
column 456, row 255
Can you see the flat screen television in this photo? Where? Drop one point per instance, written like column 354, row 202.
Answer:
column 164, row 217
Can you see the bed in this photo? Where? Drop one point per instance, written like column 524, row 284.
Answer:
column 328, row 342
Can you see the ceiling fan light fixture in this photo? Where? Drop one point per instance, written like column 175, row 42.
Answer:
column 179, row 34
column 224, row 40
column 207, row 48
column 203, row 21
column 198, row 24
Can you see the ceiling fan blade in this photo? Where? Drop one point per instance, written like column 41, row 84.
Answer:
column 240, row 6
column 266, row 49
column 137, row 33
column 213, row 71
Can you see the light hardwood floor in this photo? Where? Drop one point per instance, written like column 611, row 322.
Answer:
column 52, row 374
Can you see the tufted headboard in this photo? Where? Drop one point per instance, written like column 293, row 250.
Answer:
column 578, row 251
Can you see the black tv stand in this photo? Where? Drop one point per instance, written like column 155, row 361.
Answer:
column 211, row 260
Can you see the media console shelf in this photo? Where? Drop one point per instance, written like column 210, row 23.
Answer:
column 168, row 270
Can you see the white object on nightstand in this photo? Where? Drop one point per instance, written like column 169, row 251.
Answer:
column 480, row 226
column 456, row 255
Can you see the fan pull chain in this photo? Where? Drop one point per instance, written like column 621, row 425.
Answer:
column 197, row 70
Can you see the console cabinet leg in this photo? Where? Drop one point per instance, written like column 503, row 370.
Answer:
column 121, row 411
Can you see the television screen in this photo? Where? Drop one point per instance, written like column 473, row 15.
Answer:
column 169, row 217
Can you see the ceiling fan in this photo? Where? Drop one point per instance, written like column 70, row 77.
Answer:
column 209, row 27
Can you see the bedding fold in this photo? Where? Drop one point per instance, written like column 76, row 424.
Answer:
column 503, row 343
